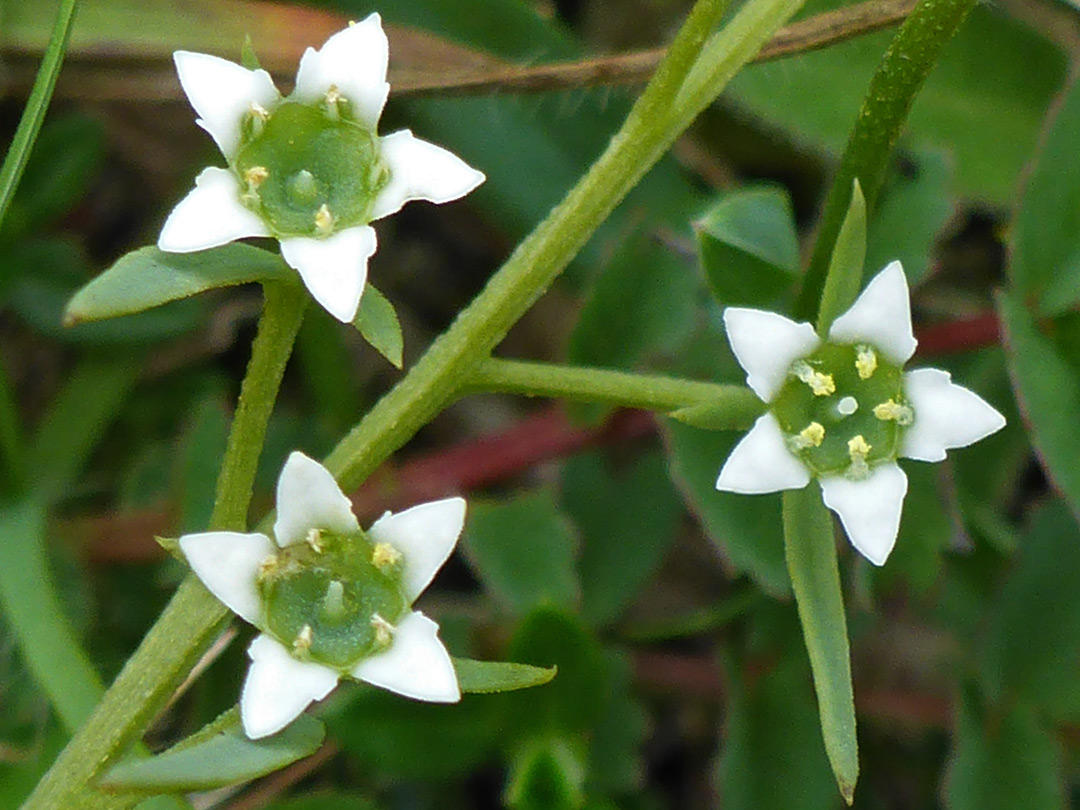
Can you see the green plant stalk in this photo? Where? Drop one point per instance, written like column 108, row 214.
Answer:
column 538, row 260
column 193, row 616
column 810, row 552
column 911, row 56
column 650, row 392
column 10, row 173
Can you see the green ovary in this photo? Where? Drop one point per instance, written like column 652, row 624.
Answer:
column 300, row 158
column 822, row 426
column 332, row 587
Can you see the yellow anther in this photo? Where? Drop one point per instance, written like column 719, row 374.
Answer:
column 810, row 436
column 302, row 642
column 333, row 95
column 865, row 362
column 255, row 176
column 384, row 631
column 314, row 539
column 259, row 111
column 384, row 556
column 324, row 221
column 858, row 450
column 892, row 410
column 821, row 384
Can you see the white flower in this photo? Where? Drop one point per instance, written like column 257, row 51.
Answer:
column 843, row 410
column 308, row 169
column 331, row 600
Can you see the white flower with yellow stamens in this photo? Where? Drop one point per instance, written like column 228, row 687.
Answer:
column 843, row 410
column 308, row 169
column 331, row 600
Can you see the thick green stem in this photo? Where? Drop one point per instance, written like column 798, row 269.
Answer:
column 647, row 391
column 282, row 314
column 193, row 617
column 903, row 70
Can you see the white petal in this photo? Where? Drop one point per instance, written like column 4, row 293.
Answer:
column 416, row 665
column 279, row 687
column 880, row 316
column 221, row 93
column 333, row 269
column 354, row 61
column 425, row 535
column 308, row 498
column 869, row 509
column 762, row 463
column 228, row 563
column 766, row 344
column 946, row 415
column 420, row 170
column 210, row 215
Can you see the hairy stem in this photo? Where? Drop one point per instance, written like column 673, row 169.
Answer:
column 647, row 391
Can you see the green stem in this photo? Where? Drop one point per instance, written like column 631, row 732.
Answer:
column 650, row 392
column 903, row 70
column 193, row 617
column 34, row 113
column 282, row 315
column 11, row 442
column 451, row 360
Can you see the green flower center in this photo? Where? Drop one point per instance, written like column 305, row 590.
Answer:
column 309, row 170
column 334, row 599
column 842, row 410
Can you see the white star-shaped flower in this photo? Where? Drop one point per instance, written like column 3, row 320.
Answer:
column 308, row 169
column 331, row 600
column 843, row 410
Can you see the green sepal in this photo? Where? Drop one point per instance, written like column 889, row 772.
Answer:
column 846, row 265
column 171, row 546
column 248, row 57
column 712, row 416
column 378, row 324
column 148, row 277
column 488, row 677
column 225, row 757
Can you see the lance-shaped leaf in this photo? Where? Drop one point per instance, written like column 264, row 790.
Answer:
column 811, row 560
column 226, row 757
column 378, row 323
column 148, row 277
column 485, row 677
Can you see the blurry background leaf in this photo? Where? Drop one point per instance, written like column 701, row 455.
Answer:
column 749, row 247
column 524, row 551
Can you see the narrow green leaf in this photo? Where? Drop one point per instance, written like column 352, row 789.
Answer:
column 378, row 323
column 1048, row 388
column 844, row 278
column 34, row 112
column 30, row 602
column 811, row 560
column 1045, row 259
column 523, row 550
column 749, row 246
column 486, row 677
column 226, row 758
column 149, row 277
